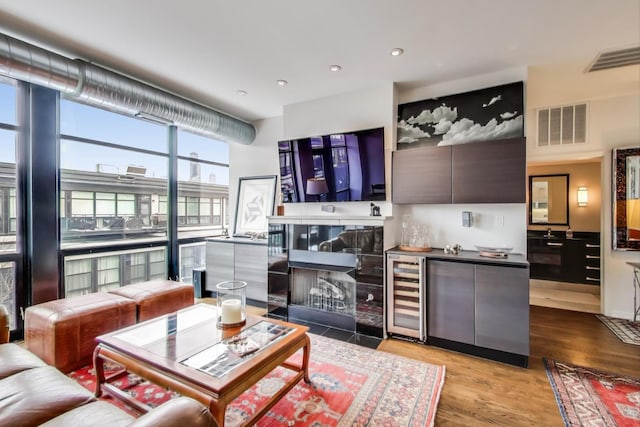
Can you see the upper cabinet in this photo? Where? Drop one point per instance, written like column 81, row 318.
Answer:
column 477, row 172
column 421, row 175
column 490, row 171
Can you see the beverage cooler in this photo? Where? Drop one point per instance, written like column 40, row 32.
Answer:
column 406, row 297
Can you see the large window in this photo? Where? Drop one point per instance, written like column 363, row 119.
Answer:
column 203, row 185
column 9, row 250
column 114, row 173
column 101, row 272
column 113, row 198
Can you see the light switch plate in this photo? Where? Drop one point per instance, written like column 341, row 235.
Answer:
column 467, row 219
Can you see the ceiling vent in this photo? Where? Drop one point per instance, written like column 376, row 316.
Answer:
column 616, row 58
column 562, row 125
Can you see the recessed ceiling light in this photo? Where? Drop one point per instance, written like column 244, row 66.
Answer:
column 335, row 68
column 282, row 82
column 241, row 92
column 397, row 51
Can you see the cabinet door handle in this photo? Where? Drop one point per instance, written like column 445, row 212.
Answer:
column 553, row 244
column 592, row 268
column 369, row 297
column 592, row 246
column 593, row 257
column 592, row 279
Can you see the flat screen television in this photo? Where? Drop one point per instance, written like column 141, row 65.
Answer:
column 339, row 167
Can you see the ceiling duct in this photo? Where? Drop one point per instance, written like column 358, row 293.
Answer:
column 615, row 59
column 106, row 89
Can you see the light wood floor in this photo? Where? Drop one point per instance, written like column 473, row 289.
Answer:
column 567, row 296
column 479, row 392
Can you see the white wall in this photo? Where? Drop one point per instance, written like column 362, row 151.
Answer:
column 613, row 98
column 503, row 224
column 493, row 225
column 614, row 108
column 357, row 110
column 257, row 159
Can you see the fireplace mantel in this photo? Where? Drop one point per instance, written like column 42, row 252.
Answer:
column 330, row 220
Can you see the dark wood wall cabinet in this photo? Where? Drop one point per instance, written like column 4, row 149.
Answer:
column 477, row 172
column 421, row 175
column 476, row 305
column 553, row 256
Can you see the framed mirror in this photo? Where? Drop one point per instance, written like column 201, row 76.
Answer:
column 549, row 199
column 626, row 199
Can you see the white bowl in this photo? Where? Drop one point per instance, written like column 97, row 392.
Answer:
column 494, row 249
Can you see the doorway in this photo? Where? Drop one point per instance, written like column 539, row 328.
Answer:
column 566, row 258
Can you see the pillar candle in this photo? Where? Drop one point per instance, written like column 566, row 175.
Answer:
column 231, row 311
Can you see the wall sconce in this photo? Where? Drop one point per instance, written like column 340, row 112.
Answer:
column 583, row 196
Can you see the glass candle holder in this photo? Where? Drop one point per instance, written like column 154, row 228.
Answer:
column 231, row 301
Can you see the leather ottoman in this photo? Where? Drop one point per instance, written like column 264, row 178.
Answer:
column 157, row 297
column 63, row 332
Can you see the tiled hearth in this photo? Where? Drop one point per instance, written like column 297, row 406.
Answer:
column 341, row 335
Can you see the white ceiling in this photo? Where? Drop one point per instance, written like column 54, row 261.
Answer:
column 207, row 50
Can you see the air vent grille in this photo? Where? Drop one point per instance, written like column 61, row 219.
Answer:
column 562, row 125
column 616, row 58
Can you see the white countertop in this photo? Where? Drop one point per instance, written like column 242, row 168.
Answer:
column 329, row 219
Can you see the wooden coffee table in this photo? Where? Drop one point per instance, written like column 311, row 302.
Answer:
column 186, row 352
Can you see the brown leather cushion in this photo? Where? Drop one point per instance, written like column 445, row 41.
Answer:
column 63, row 332
column 95, row 414
column 15, row 359
column 157, row 297
column 5, row 324
column 178, row 412
column 36, row 395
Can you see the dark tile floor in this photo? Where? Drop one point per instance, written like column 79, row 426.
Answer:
column 341, row 335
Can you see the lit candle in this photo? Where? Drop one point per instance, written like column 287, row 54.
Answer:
column 231, row 311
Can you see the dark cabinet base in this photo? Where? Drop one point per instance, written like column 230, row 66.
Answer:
column 486, row 353
column 321, row 317
column 573, row 260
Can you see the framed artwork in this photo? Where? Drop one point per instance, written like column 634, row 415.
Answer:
column 626, row 198
column 256, row 198
column 481, row 115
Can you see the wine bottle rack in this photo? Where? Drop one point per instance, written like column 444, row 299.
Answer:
column 405, row 288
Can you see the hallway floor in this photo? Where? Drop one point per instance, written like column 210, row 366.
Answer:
column 566, row 296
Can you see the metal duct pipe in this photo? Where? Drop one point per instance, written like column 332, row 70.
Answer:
column 105, row 89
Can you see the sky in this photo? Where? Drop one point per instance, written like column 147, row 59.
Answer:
column 93, row 123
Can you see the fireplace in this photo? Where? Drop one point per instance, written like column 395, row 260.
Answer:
column 328, row 274
column 325, row 290
column 323, row 296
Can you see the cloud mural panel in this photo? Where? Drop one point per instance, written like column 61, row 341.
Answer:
column 480, row 115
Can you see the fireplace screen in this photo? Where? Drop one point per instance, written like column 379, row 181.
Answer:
column 324, row 290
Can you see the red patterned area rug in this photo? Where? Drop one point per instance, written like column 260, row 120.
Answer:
column 588, row 397
column 626, row 330
column 351, row 386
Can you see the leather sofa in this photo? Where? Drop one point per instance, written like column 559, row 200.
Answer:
column 33, row 393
